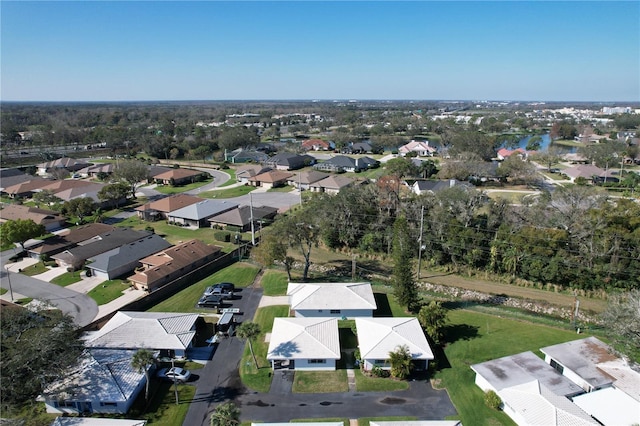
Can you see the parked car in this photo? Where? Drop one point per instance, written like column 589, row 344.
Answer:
column 174, row 373
column 212, row 300
column 222, row 289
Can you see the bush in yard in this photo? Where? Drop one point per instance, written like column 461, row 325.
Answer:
column 492, row 400
column 222, row 236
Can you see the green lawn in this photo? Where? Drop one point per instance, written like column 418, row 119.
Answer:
column 35, row 269
column 3, row 291
column 168, row 189
column 365, row 421
column 260, row 379
column 476, row 337
column 232, row 173
column 285, row 188
column 365, row 383
column 241, row 274
column 320, row 381
column 162, row 409
column 275, row 283
column 236, row 191
column 67, row 278
column 108, row 291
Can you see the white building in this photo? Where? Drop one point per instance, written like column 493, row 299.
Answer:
column 337, row 300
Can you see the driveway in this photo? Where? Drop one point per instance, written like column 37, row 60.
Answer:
column 81, row 307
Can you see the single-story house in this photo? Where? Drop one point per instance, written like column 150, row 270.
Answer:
column 343, row 163
column 433, row 186
column 504, row 153
column 379, row 336
column 244, row 173
column 124, row 259
column 197, row 214
column 155, row 170
column 333, row 184
column 70, row 164
column 10, row 177
column 155, row 331
column 68, row 239
column 159, row 209
column 337, row 300
column 421, row 148
column 303, row 180
column 316, row 145
column 93, row 171
column 25, row 189
column 168, row 265
column 610, row 406
column 241, row 217
column 88, row 191
column 288, row 161
column 358, row 148
column 95, row 421
column 75, row 257
column 304, row 344
column 241, row 155
column 270, row 179
column 104, row 382
column 300, row 424
column 179, row 177
column 416, row 423
column 49, row 218
column 531, row 391
column 589, row 171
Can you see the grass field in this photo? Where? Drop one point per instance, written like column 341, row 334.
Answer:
column 320, row 381
column 274, row 283
column 260, row 379
column 236, row 191
column 475, row 337
column 67, row 278
column 168, row 189
column 378, row 384
column 241, row 274
column 108, row 291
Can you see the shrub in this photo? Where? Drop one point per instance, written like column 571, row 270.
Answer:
column 379, row 372
column 492, row 400
column 222, row 236
column 150, row 229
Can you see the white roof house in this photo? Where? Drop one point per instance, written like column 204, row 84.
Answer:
column 95, row 421
column 379, row 336
column 339, row 300
column 422, row 148
column 417, row 423
column 148, row 330
column 610, row 406
column 304, row 343
column 103, row 382
column 300, row 424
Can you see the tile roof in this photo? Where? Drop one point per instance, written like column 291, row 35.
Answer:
column 149, row 330
column 379, row 336
column 330, row 296
column 304, row 338
column 170, row 203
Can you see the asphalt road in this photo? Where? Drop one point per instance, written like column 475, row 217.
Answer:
column 81, row 307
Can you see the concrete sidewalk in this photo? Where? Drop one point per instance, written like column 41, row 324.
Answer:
column 127, row 297
column 25, row 262
column 86, row 285
column 50, row 274
column 273, row 301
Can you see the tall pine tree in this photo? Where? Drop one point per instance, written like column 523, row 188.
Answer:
column 404, row 247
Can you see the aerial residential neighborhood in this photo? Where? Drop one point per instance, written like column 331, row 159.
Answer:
column 364, row 213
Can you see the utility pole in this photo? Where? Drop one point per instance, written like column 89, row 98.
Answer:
column 420, row 241
column 253, row 230
column 353, row 268
column 6, row 267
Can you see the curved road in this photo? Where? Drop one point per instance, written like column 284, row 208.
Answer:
column 80, row 307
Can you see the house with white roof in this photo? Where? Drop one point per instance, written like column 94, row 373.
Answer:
column 532, row 392
column 103, row 382
column 337, row 300
column 308, row 344
column 421, row 148
column 416, row 423
column 146, row 330
column 379, row 336
column 197, row 214
column 96, row 421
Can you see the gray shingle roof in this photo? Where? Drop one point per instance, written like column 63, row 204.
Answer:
column 129, row 254
column 203, row 209
column 100, row 244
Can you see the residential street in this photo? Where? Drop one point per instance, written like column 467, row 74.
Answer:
column 81, row 307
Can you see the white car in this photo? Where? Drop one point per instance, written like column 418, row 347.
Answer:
column 175, row 373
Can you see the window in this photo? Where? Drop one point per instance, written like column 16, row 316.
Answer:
column 557, row 366
column 335, row 311
column 108, row 404
column 317, row 361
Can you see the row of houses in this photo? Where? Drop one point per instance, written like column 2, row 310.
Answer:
column 312, row 180
column 310, row 339
column 580, row 382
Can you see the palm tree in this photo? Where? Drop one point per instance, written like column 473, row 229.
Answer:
column 400, row 360
column 249, row 330
column 141, row 361
column 226, row 414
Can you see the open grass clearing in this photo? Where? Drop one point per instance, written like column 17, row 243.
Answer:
column 320, row 381
column 241, row 274
column 169, row 190
column 259, row 379
column 274, row 283
column 108, row 291
column 493, row 287
column 366, row 383
column 35, row 269
column 236, row 191
column 476, row 337
column 67, row 278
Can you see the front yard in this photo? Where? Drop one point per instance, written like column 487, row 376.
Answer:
column 108, row 291
column 67, row 278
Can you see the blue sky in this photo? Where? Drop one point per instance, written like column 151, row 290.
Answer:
column 214, row 50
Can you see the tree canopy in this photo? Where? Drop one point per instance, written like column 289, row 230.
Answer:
column 20, row 230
